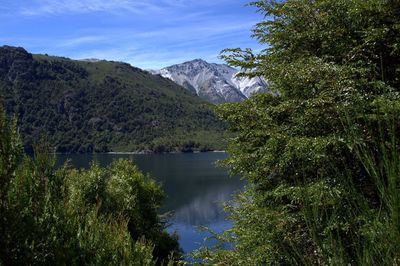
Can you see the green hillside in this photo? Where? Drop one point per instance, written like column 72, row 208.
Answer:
column 81, row 106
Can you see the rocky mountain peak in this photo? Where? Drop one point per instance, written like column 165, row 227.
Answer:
column 216, row 83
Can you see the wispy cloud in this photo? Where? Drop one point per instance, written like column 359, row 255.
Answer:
column 145, row 33
column 73, row 42
column 40, row 7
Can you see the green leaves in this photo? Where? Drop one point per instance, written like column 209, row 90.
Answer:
column 99, row 216
column 320, row 155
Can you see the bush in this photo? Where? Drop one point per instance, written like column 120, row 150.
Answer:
column 100, row 216
column 321, row 154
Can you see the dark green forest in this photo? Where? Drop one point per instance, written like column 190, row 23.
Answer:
column 322, row 156
column 80, row 106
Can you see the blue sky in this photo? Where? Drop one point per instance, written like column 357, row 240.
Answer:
column 145, row 33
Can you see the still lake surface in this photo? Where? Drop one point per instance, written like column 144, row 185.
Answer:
column 195, row 188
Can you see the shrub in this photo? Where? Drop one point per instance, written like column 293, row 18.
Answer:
column 99, row 216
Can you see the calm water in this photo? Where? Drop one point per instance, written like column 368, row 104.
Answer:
column 195, row 188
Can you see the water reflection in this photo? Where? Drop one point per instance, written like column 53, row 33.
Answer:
column 195, row 188
column 205, row 209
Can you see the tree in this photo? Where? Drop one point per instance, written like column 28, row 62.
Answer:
column 312, row 198
column 99, row 216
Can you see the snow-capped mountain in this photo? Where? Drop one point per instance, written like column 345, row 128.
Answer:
column 217, row 83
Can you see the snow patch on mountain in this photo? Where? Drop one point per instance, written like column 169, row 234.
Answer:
column 217, row 83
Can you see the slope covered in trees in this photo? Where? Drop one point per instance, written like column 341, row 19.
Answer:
column 81, row 106
column 322, row 157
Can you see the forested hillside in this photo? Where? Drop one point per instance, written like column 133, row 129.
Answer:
column 82, row 106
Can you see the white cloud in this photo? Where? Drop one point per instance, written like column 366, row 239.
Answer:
column 146, row 59
column 54, row 7
column 40, row 7
column 80, row 40
column 145, row 33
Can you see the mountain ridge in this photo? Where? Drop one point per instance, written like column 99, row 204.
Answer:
column 216, row 83
column 102, row 106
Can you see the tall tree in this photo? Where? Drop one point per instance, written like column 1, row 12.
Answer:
column 311, row 198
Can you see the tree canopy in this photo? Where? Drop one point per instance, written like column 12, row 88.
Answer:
column 321, row 155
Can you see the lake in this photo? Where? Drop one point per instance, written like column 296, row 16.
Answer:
column 195, row 188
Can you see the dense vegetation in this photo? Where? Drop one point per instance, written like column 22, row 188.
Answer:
column 99, row 216
column 322, row 156
column 102, row 106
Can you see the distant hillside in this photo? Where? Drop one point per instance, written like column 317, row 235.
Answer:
column 216, row 83
column 98, row 106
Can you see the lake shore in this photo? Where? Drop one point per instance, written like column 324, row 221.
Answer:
column 152, row 152
column 142, row 152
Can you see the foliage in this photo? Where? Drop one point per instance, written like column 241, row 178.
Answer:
column 73, row 217
column 101, row 106
column 321, row 156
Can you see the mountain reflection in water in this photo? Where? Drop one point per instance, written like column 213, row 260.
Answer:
column 195, row 188
column 206, row 208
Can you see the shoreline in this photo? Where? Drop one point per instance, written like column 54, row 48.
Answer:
column 151, row 152
column 140, row 152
